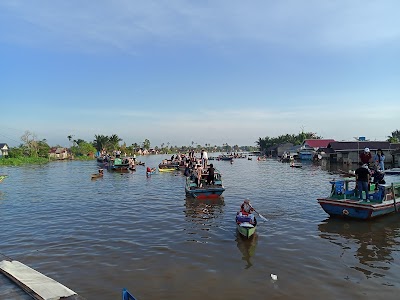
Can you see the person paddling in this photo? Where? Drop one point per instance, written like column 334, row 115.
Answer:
column 247, row 210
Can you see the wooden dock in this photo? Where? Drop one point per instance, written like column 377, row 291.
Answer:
column 34, row 283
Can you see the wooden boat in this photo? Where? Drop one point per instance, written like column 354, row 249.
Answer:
column 225, row 157
column 126, row 295
column 296, row 165
column 244, row 225
column 166, row 169
column 120, row 168
column 33, row 283
column 393, row 171
column 2, row 177
column 204, row 191
column 118, row 165
column 344, row 201
column 95, row 176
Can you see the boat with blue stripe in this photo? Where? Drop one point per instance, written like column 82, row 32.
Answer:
column 344, row 200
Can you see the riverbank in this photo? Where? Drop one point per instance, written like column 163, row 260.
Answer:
column 19, row 161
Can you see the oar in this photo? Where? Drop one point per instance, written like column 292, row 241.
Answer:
column 261, row 216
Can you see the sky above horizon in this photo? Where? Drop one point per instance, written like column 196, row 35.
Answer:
column 223, row 71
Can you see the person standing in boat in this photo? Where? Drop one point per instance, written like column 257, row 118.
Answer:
column 363, row 177
column 210, row 176
column 379, row 159
column 187, row 170
column 204, row 158
column 199, row 174
column 365, row 156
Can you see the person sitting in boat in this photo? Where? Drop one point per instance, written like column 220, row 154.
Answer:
column 378, row 178
column 101, row 172
column 247, row 210
column 148, row 170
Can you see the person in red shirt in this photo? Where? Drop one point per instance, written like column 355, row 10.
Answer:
column 365, row 156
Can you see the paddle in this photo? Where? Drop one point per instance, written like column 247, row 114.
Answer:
column 261, row 216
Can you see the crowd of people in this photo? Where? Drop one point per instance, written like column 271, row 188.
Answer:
column 370, row 167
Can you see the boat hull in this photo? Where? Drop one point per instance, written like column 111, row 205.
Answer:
column 245, row 230
column 205, row 193
column 361, row 211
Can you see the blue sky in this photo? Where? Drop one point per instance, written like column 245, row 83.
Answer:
column 213, row 72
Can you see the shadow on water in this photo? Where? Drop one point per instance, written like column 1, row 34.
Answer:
column 373, row 243
column 247, row 247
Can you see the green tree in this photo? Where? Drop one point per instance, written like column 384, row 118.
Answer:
column 146, row 144
column 43, row 148
column 395, row 137
column 113, row 141
column 100, row 142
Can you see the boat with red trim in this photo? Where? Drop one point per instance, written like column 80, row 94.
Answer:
column 204, row 191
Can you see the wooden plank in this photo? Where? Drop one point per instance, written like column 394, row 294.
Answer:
column 37, row 285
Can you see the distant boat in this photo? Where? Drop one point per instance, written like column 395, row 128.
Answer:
column 344, row 201
column 296, row 165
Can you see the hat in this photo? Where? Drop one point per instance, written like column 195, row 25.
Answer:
column 246, row 201
column 366, row 150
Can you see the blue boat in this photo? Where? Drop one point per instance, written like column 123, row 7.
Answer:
column 126, row 295
column 204, row 191
column 345, row 202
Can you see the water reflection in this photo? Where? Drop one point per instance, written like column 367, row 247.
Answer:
column 247, row 247
column 373, row 242
column 201, row 215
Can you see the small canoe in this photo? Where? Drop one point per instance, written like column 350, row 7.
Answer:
column 244, row 226
column 296, row 165
column 166, row 169
column 2, row 177
column 95, row 176
column 126, row 295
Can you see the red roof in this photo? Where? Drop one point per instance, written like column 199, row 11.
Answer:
column 318, row 143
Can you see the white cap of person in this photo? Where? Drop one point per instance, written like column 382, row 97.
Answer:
column 365, row 166
column 366, row 150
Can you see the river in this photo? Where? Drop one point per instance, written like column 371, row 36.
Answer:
column 127, row 230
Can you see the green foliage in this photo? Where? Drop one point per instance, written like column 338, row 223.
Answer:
column 15, row 152
column 395, row 137
column 146, row 144
column 265, row 143
column 83, row 149
column 43, row 149
column 18, row 161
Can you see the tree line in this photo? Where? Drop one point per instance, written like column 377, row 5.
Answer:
column 34, row 148
column 265, row 143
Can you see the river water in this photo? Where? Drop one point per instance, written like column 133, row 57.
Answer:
column 127, row 230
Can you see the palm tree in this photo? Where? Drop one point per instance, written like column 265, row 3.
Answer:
column 100, row 142
column 114, row 141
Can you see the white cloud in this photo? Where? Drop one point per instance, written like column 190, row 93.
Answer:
column 127, row 25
